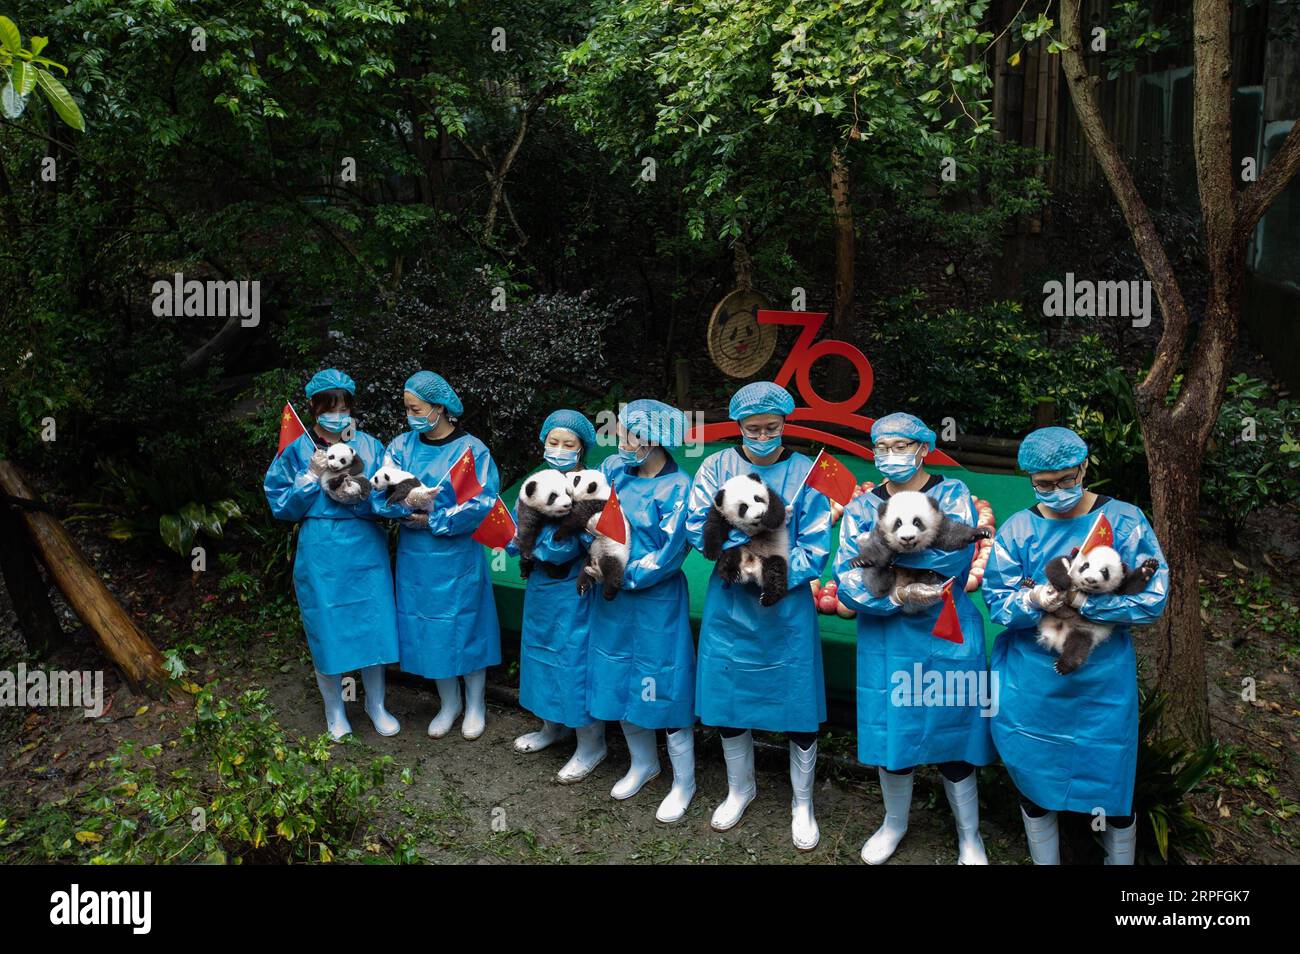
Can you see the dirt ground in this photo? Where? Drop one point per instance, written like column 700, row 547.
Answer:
column 459, row 788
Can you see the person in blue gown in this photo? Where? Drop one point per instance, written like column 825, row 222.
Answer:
column 554, row 637
column 642, row 656
column 446, row 614
column 1069, row 742
column 898, row 655
column 341, row 571
column 760, row 667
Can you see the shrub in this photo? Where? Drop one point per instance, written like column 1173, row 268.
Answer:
column 988, row 368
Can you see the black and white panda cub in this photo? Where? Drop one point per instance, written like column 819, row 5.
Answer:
column 606, row 557
column 752, row 507
column 1100, row 570
column 342, row 467
column 909, row 522
column 402, row 487
column 544, row 499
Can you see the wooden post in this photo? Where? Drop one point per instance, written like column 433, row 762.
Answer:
column 682, row 367
column 138, row 660
column 27, row 590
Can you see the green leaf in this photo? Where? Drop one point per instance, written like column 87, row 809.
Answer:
column 12, row 102
column 9, row 35
column 24, row 77
column 37, row 43
column 61, row 100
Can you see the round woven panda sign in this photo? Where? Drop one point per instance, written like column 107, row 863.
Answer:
column 738, row 344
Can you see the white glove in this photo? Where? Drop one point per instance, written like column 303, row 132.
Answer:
column 1046, row 597
column 317, row 466
column 916, row 596
column 416, row 521
column 1078, row 598
column 419, row 498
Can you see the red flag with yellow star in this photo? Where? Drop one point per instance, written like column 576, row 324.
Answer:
column 1102, row 534
column 464, row 478
column 611, row 523
column 828, row 476
column 948, row 626
column 497, row 528
column 290, row 428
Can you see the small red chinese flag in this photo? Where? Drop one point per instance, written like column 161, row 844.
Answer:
column 463, row 478
column 948, row 626
column 497, row 528
column 1102, row 534
column 611, row 522
column 290, row 428
column 828, row 476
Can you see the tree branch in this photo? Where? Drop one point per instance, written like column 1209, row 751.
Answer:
column 1254, row 201
column 1173, row 336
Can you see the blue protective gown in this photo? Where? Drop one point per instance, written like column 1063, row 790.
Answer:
column 553, row 641
column 341, row 570
column 760, row 667
column 1069, row 742
column 642, row 657
column 899, row 724
column 446, row 614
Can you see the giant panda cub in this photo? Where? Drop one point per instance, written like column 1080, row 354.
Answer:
column 909, row 522
column 401, row 487
column 342, row 465
column 748, row 504
column 543, row 499
column 1100, row 570
column 606, row 558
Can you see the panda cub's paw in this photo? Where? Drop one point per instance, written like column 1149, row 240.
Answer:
column 1148, row 568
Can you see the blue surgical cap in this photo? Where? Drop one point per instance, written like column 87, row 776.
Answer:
column 761, row 397
column 1051, row 448
column 434, row 388
column 327, row 379
column 571, row 421
column 654, row 421
column 900, row 424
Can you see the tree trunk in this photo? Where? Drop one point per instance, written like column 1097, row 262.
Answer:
column 139, row 662
column 27, row 591
column 842, row 308
column 1174, row 462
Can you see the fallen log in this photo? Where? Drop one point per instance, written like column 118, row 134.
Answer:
column 136, row 658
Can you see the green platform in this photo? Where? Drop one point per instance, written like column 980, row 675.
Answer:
column 1006, row 494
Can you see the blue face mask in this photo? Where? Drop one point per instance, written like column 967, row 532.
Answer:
column 422, row 423
column 900, row 468
column 1060, row 500
column 632, row 458
column 335, row 422
column 559, row 458
column 762, row 448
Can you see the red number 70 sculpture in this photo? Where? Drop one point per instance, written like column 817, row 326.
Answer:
column 817, row 409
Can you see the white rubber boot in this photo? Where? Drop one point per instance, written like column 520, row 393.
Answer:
column 336, row 717
column 475, row 720
column 1043, row 835
column 1120, row 844
column 589, row 754
column 449, row 709
column 896, row 791
column 803, row 771
column 681, row 753
column 963, row 798
column 645, row 761
column 543, row 738
column 372, row 677
column 739, row 753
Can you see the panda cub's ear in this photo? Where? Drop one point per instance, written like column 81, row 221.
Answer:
column 754, row 477
column 881, row 508
column 530, row 488
column 720, row 499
